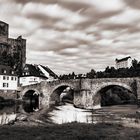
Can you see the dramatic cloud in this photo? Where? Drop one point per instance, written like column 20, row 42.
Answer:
column 133, row 4
column 75, row 35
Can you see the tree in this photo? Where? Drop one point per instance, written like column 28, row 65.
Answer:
column 107, row 70
column 73, row 75
column 134, row 63
column 91, row 74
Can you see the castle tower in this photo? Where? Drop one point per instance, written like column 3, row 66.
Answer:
column 4, row 31
column 12, row 51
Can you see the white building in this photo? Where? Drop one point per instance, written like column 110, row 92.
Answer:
column 8, row 78
column 124, row 62
column 33, row 74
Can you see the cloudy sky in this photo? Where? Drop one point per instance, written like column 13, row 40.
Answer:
column 75, row 35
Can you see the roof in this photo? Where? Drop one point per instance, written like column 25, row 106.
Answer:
column 3, row 22
column 51, row 73
column 34, row 70
column 123, row 59
column 7, row 70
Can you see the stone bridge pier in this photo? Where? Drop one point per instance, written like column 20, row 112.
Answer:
column 89, row 95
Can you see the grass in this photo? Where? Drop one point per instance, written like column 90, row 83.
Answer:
column 71, row 131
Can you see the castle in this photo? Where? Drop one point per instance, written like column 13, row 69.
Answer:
column 12, row 51
column 124, row 62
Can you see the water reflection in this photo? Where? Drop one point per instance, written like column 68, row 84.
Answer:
column 67, row 113
column 10, row 110
column 30, row 101
column 30, row 106
column 7, row 118
column 7, row 112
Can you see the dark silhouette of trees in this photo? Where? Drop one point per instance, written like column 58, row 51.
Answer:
column 134, row 63
column 91, row 74
column 109, row 72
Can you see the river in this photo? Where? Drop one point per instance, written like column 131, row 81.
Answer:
column 67, row 113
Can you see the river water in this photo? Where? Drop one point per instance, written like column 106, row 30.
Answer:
column 67, row 113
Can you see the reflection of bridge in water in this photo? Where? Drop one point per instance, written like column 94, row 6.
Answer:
column 86, row 92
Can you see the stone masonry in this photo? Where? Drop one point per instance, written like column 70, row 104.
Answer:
column 85, row 90
column 12, row 51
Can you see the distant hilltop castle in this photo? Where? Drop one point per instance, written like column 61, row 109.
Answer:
column 125, row 62
column 12, row 51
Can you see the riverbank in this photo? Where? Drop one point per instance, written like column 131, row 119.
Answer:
column 116, row 122
column 70, row 131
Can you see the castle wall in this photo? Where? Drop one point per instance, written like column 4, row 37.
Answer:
column 12, row 49
column 4, row 27
column 18, row 51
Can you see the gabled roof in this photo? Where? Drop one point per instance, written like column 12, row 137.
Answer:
column 34, row 70
column 51, row 73
column 3, row 22
column 123, row 59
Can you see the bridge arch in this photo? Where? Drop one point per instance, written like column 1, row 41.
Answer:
column 26, row 91
column 101, row 90
column 107, row 84
column 31, row 99
column 60, row 92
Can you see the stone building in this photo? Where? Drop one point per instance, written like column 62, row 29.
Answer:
column 12, row 51
column 8, row 82
column 124, row 62
column 8, row 78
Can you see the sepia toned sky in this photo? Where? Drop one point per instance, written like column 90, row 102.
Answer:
column 75, row 35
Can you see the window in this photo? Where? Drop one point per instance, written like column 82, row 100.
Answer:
column 4, row 77
column 23, row 79
column 27, row 73
column 5, row 84
column 7, row 77
column 15, row 78
column 12, row 78
column 3, row 70
column 26, row 68
column 11, row 72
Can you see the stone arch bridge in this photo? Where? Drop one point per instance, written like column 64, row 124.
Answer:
column 85, row 90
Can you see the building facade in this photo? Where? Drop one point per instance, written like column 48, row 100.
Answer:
column 8, row 78
column 33, row 74
column 12, row 51
column 124, row 62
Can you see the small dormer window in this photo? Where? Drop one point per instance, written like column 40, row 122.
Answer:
column 26, row 68
column 4, row 71
column 11, row 72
